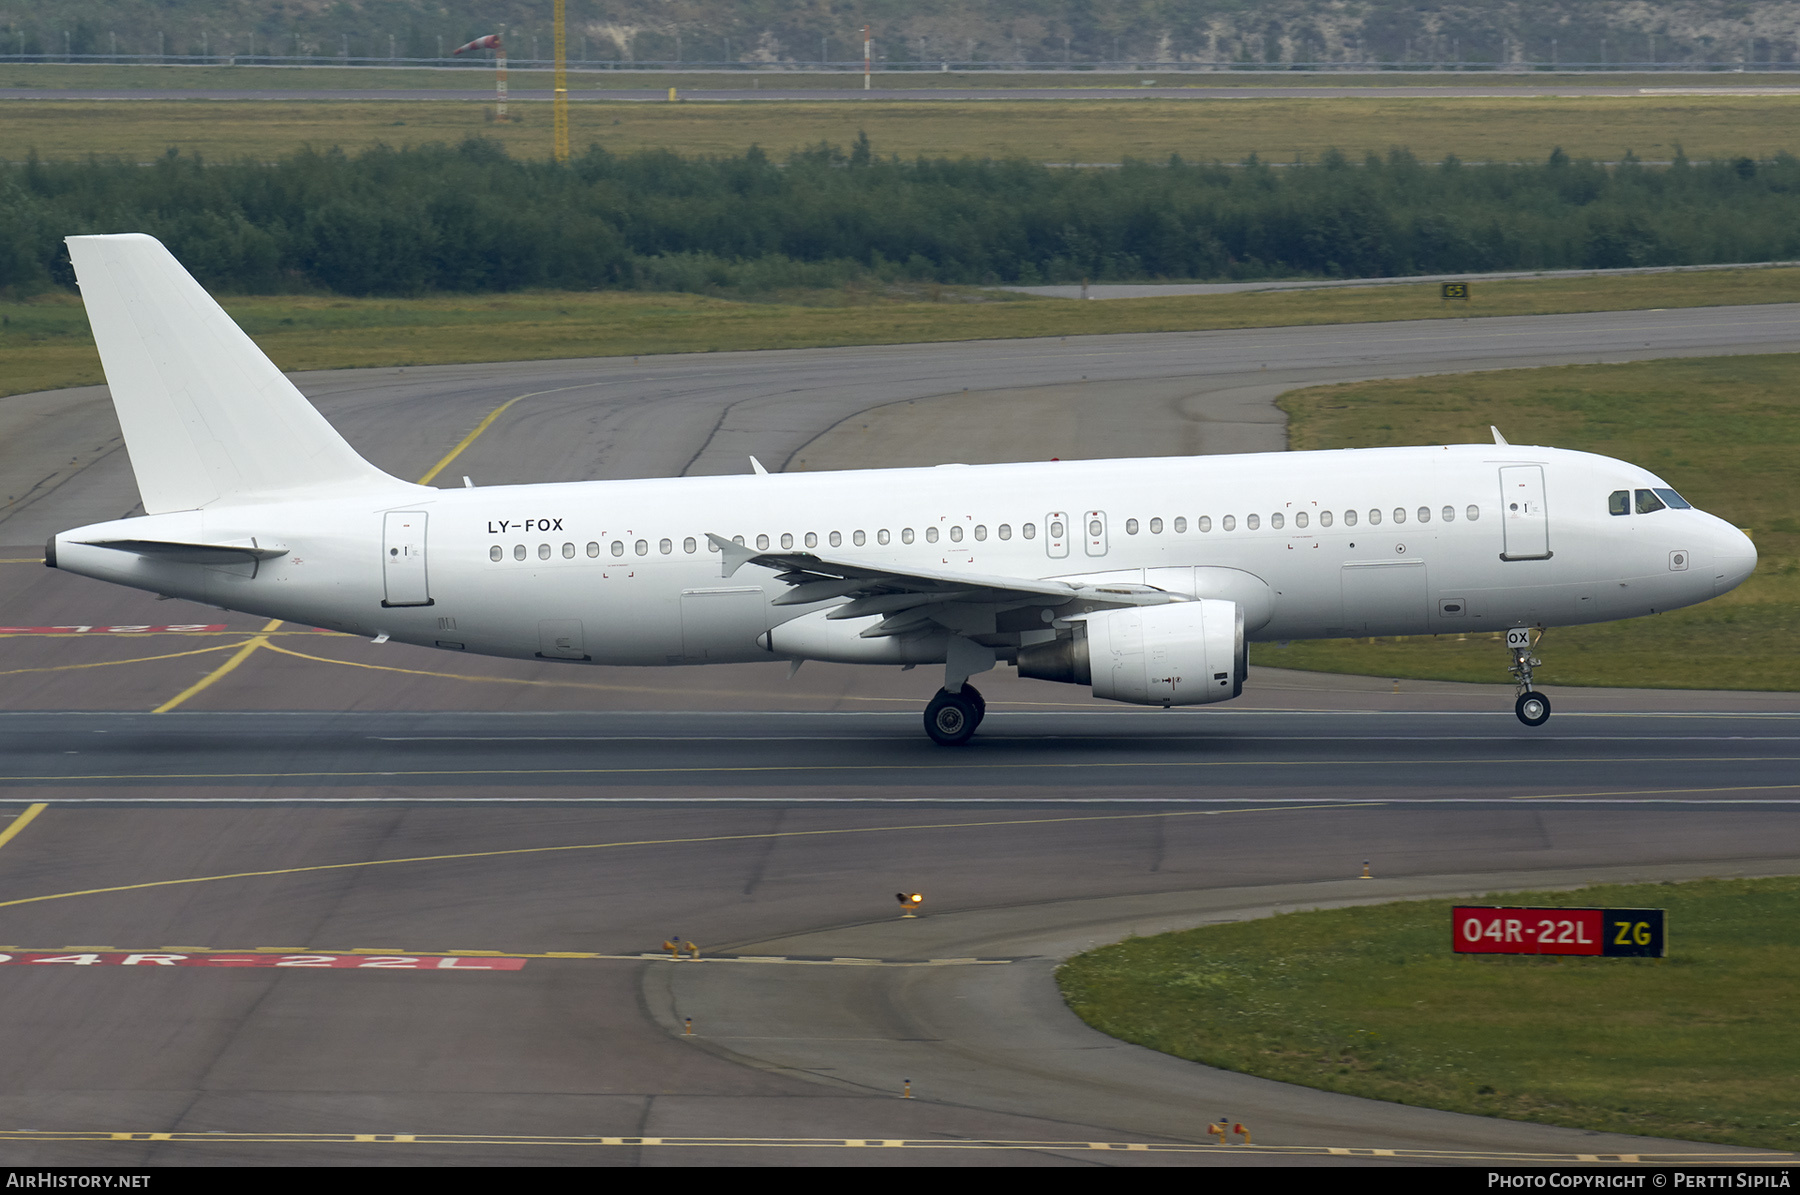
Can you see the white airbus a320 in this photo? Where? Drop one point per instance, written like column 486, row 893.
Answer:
column 1140, row 578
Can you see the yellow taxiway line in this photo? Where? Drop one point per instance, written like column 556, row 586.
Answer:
column 243, row 653
column 19, row 823
column 598, row 846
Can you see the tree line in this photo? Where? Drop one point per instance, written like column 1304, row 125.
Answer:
column 468, row 218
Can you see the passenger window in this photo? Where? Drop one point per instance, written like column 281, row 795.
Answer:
column 736, row 539
column 1647, row 501
column 1473, row 513
column 711, row 546
column 762, row 543
column 1675, row 501
column 1618, row 502
column 496, row 553
column 1229, row 522
column 568, row 551
column 1006, row 531
column 1449, row 514
column 642, row 547
column 881, row 537
column 812, row 539
column 518, row 551
column 931, row 535
column 1276, row 520
column 787, row 540
column 1300, row 519
column 1349, row 518
column 618, row 547
column 543, row 551
column 1204, row 523
column 837, row 539
column 859, row 539
column 665, row 546
column 1251, row 523
column 1424, row 514
column 1155, row 526
column 1130, row 526
column 1181, row 526
column 593, row 549
column 906, row 535
column 1399, row 514
column 1056, row 529
column 956, row 533
column 1028, row 530
column 688, row 545
column 1374, row 518
column 980, row 531
column 1324, row 518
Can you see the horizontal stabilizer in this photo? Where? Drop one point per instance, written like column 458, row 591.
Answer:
column 206, row 415
column 183, row 553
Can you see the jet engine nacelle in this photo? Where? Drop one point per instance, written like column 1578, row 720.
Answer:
column 1184, row 653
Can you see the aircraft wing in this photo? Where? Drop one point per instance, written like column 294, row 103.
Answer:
column 911, row 598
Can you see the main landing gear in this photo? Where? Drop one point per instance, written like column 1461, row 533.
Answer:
column 952, row 717
column 1532, row 707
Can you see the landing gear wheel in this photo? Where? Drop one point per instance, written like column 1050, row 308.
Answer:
column 951, row 718
column 1533, row 709
column 973, row 695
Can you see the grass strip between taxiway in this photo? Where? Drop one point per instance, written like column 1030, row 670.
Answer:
column 1075, row 130
column 45, row 343
column 1370, row 1001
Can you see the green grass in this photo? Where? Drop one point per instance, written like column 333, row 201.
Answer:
column 44, row 342
column 63, row 76
column 1703, row 1045
column 1058, row 130
column 1723, row 430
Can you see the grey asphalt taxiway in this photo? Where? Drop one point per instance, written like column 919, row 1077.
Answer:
column 287, row 908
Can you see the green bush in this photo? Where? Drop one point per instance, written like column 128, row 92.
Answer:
column 468, row 218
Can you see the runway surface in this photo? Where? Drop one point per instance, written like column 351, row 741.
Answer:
column 354, row 904
column 1183, row 756
column 852, row 93
column 1157, row 290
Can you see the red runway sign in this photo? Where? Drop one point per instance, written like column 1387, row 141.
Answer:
column 374, row 962
column 1477, row 929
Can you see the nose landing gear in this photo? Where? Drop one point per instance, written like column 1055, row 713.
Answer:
column 951, row 718
column 1532, row 707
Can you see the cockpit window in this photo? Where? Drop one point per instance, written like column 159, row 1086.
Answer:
column 1675, row 501
column 1647, row 501
column 1618, row 502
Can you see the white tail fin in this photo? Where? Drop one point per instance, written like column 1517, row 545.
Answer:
column 206, row 416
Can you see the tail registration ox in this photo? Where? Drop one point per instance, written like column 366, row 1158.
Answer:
column 1142, row 579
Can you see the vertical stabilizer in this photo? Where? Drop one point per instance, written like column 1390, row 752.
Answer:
column 207, row 417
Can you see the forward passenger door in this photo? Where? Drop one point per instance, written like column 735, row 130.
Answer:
column 1525, row 521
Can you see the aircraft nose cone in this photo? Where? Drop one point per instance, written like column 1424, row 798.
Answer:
column 1734, row 559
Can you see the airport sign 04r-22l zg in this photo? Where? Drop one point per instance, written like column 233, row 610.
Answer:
column 1636, row 933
